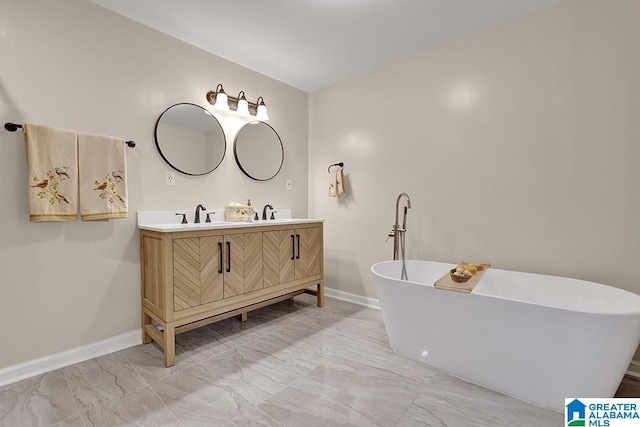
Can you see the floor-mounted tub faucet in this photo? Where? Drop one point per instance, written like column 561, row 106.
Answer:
column 399, row 233
column 198, row 209
column 264, row 211
column 396, row 232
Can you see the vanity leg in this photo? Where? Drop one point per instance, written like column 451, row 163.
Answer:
column 243, row 317
column 169, row 346
column 146, row 320
column 321, row 294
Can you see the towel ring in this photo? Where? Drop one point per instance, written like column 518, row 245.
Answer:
column 341, row 164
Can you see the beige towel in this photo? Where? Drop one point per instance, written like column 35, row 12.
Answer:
column 338, row 186
column 103, row 177
column 52, row 162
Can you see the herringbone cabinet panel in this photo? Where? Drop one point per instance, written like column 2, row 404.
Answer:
column 253, row 275
column 195, row 272
column 309, row 262
column 186, row 273
column 271, row 258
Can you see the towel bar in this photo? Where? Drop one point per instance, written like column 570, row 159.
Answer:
column 12, row 127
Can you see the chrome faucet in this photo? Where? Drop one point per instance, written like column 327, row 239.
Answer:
column 264, row 211
column 396, row 227
column 198, row 209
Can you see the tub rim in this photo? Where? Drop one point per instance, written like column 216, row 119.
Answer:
column 480, row 294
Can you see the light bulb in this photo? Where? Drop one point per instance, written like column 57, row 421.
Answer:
column 222, row 102
column 243, row 106
column 261, row 113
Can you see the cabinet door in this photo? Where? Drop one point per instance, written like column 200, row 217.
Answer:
column 242, row 263
column 291, row 255
column 211, row 278
column 279, row 256
column 271, row 258
column 234, row 265
column 287, row 255
column 195, row 272
column 308, row 251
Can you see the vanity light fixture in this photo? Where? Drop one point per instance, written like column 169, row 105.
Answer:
column 222, row 102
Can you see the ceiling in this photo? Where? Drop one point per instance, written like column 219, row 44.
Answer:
column 310, row 44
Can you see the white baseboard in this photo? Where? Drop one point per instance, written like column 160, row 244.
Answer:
column 21, row 371
column 356, row 299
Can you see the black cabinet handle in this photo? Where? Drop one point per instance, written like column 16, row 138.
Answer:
column 221, row 259
column 228, row 257
column 293, row 247
column 298, row 237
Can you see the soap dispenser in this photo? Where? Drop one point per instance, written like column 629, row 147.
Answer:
column 249, row 219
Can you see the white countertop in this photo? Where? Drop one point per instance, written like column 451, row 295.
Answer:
column 169, row 222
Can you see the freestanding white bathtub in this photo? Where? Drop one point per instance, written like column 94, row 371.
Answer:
column 539, row 338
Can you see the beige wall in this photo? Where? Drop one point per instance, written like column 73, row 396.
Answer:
column 518, row 146
column 72, row 64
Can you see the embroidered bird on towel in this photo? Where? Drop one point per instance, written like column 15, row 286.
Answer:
column 117, row 176
column 61, row 172
column 41, row 184
column 108, row 189
column 61, row 198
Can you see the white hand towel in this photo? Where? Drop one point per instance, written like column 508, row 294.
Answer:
column 52, row 162
column 103, row 177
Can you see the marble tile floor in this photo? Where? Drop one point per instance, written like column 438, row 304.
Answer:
column 291, row 364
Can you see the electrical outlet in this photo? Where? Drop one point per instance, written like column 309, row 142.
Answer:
column 288, row 184
column 171, row 178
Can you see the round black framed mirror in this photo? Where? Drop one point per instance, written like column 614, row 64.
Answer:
column 190, row 139
column 258, row 151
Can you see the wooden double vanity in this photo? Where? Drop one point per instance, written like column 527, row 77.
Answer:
column 194, row 275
